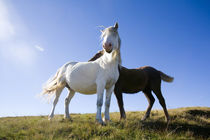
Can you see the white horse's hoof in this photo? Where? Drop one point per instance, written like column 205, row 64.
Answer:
column 49, row 118
column 66, row 117
column 100, row 121
column 106, row 120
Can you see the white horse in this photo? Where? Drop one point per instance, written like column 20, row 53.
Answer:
column 89, row 77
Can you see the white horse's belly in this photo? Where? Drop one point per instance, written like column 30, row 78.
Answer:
column 82, row 78
column 85, row 89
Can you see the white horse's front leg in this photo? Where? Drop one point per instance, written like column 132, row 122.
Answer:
column 100, row 93
column 107, row 102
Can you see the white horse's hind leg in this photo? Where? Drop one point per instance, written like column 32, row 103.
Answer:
column 57, row 95
column 107, row 102
column 67, row 101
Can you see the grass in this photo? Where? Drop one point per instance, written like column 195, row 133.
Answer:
column 186, row 123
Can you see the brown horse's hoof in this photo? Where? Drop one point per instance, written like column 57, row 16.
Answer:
column 167, row 123
column 144, row 118
column 123, row 117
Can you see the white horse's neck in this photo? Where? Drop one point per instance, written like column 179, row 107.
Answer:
column 112, row 58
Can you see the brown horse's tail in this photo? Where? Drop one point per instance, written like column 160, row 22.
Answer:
column 165, row 77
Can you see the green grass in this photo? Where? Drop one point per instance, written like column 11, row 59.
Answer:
column 186, row 123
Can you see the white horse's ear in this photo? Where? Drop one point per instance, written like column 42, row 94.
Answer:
column 116, row 25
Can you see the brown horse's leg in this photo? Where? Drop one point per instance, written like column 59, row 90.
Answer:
column 151, row 101
column 161, row 99
column 119, row 97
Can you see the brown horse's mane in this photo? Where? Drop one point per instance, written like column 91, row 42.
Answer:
column 100, row 53
column 96, row 56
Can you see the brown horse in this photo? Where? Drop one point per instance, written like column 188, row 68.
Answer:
column 146, row 79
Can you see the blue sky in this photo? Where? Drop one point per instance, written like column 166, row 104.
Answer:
column 37, row 37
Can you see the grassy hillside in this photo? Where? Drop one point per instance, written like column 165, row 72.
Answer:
column 187, row 123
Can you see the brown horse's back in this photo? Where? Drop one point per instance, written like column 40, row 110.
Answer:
column 151, row 72
column 131, row 80
column 135, row 80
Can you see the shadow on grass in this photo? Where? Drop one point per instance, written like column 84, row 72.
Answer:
column 200, row 113
column 178, row 127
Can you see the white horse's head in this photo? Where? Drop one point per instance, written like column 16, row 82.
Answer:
column 111, row 39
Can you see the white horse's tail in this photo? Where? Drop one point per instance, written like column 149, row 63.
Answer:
column 56, row 82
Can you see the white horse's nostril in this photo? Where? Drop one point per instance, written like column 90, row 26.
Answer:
column 107, row 44
column 108, row 47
